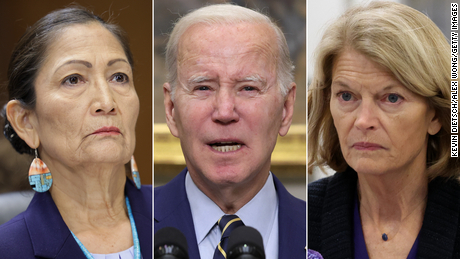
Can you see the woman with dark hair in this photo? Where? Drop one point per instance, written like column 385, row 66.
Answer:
column 73, row 106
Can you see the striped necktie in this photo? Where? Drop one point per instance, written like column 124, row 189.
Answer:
column 227, row 224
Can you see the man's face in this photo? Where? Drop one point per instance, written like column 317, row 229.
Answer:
column 227, row 108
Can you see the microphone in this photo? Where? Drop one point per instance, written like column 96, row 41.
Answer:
column 245, row 243
column 170, row 243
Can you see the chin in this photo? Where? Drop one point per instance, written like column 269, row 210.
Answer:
column 226, row 176
column 112, row 156
column 368, row 168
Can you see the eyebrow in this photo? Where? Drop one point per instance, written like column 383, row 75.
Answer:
column 88, row 64
column 197, row 79
column 253, row 78
column 343, row 84
column 111, row 62
column 85, row 63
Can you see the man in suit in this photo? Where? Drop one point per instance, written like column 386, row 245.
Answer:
column 230, row 92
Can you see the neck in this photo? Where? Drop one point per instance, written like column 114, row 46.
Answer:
column 91, row 197
column 231, row 197
column 389, row 199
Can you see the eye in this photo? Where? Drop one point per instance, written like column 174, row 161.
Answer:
column 120, row 78
column 393, row 98
column 202, row 88
column 249, row 88
column 72, row 80
column 346, row 96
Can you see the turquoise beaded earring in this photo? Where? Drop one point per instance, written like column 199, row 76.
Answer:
column 40, row 178
column 135, row 173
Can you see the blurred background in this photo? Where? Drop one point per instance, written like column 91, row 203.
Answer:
column 289, row 157
column 321, row 13
column 135, row 17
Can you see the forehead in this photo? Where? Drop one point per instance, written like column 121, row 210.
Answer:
column 351, row 60
column 73, row 39
column 359, row 70
column 228, row 42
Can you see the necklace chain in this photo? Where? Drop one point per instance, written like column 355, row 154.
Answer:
column 385, row 236
column 137, row 250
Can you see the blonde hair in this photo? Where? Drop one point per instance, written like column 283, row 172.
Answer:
column 408, row 44
column 219, row 14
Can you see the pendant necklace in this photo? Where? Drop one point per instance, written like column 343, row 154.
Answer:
column 137, row 250
column 385, row 235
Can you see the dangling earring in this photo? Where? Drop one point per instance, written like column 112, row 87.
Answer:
column 40, row 178
column 135, row 173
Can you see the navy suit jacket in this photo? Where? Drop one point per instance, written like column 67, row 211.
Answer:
column 172, row 209
column 40, row 231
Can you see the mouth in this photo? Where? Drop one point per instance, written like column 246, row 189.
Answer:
column 367, row 146
column 226, row 146
column 107, row 130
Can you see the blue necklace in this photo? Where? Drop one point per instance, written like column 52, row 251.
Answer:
column 137, row 250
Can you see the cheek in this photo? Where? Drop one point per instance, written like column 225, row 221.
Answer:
column 335, row 114
column 131, row 120
column 57, row 121
column 408, row 131
column 58, row 130
column 342, row 122
column 264, row 123
column 134, row 107
column 191, row 114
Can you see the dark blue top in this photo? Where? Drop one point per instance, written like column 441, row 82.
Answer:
column 358, row 237
column 172, row 209
column 40, row 231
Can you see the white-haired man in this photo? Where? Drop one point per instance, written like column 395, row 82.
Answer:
column 229, row 94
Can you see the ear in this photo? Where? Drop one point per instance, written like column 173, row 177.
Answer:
column 288, row 110
column 435, row 125
column 169, row 109
column 21, row 119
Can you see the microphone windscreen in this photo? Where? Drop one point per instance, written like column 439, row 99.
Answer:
column 170, row 236
column 248, row 237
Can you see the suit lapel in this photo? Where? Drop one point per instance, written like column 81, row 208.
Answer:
column 337, row 223
column 172, row 209
column 42, row 218
column 291, row 223
column 141, row 206
column 441, row 220
column 49, row 234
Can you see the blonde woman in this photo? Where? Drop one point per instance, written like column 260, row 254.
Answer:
column 379, row 115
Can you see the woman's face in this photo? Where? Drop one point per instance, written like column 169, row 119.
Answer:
column 382, row 126
column 87, row 107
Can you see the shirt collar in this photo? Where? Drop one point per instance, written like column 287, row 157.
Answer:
column 259, row 213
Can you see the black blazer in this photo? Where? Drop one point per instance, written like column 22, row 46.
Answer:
column 330, row 217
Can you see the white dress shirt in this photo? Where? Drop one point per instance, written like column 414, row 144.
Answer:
column 260, row 213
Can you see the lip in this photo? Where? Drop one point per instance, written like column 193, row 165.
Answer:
column 107, row 131
column 212, row 144
column 367, row 146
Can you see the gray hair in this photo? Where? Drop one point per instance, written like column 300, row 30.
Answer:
column 228, row 14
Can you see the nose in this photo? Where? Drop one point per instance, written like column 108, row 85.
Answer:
column 103, row 99
column 367, row 116
column 224, row 107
